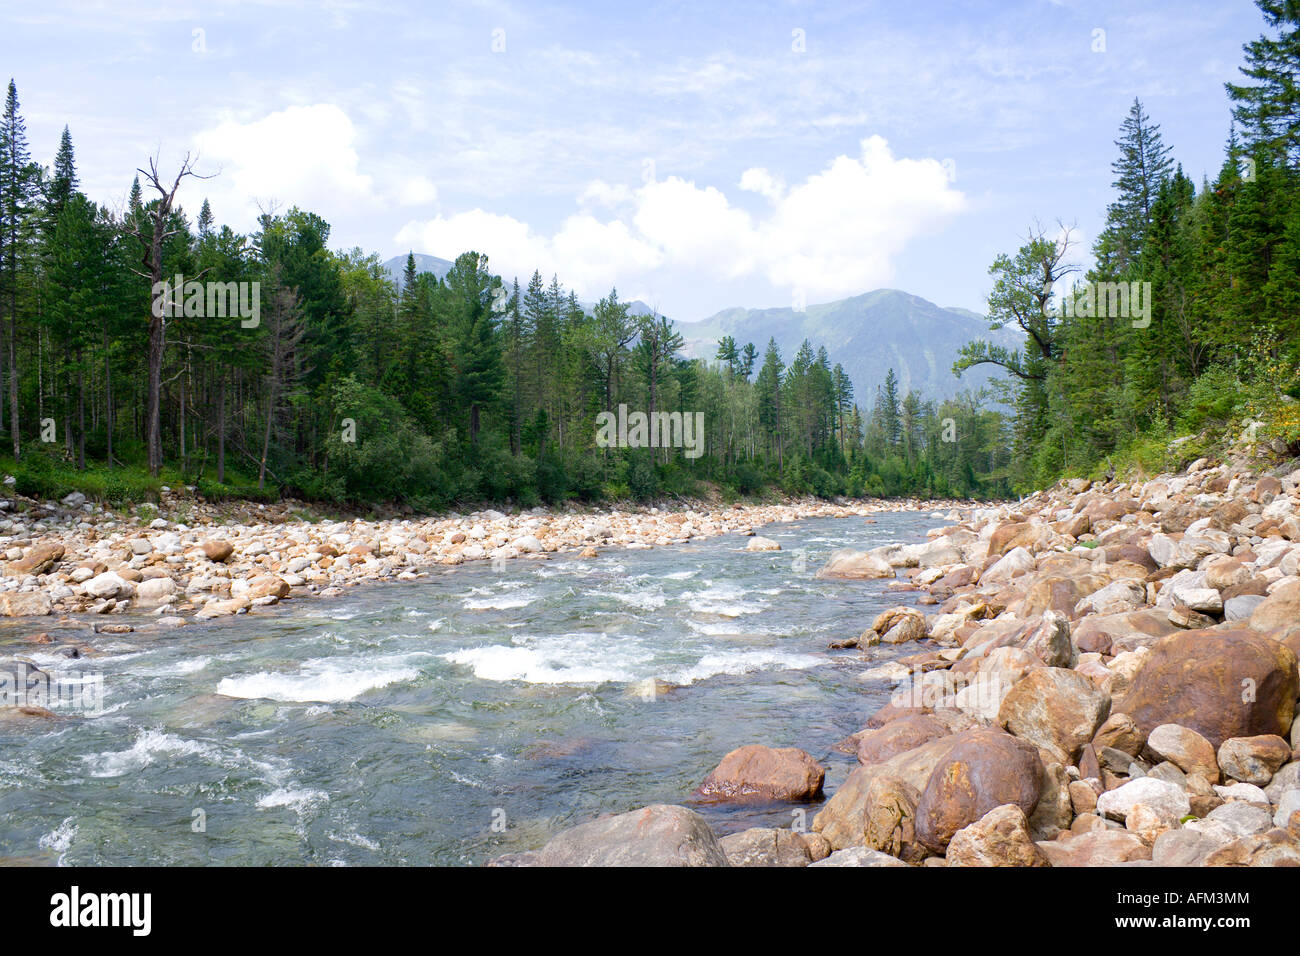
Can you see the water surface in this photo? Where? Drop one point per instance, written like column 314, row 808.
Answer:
column 450, row 719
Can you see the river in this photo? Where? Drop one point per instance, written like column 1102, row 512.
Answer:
column 447, row 720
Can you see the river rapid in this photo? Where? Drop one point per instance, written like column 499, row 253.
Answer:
column 473, row 712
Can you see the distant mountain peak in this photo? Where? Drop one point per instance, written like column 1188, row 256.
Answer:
column 868, row 334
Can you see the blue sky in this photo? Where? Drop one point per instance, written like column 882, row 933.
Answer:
column 698, row 156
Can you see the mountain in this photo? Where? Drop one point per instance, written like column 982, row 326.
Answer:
column 396, row 266
column 868, row 334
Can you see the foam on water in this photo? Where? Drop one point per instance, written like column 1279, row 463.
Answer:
column 583, row 659
column 324, row 680
column 743, row 662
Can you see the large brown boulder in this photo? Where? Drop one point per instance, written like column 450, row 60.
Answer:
column 999, row 838
column 1054, row 708
column 984, row 769
column 756, row 772
column 844, row 818
column 1221, row 683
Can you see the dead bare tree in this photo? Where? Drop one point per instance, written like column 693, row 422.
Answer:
column 159, row 229
column 285, row 328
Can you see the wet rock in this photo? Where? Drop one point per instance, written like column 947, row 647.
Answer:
column 659, row 835
column 759, row 543
column 859, row 565
column 755, row 772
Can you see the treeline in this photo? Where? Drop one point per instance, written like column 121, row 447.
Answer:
column 1117, row 373
column 350, row 387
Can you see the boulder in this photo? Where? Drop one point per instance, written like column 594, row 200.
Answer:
column 1011, row 565
column 1095, row 848
column 858, row 856
column 1122, row 733
column 763, row 846
column 1274, row 848
column 899, row 736
column 983, row 770
column 1049, row 640
column 218, row 550
column 659, row 835
column 155, row 590
column 1185, row 748
column 856, row 565
column 1222, row 683
column 999, row 838
column 1056, row 709
column 1183, row 847
column 1148, row 791
column 755, row 772
column 890, row 819
column 24, row 603
column 39, row 559
column 1254, row 759
column 844, row 818
column 759, row 543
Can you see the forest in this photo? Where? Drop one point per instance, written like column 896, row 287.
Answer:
column 351, row 388
column 1217, row 357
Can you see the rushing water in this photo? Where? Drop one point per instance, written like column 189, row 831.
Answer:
column 449, row 719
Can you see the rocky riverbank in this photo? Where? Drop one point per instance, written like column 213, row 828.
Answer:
column 195, row 562
column 1106, row 676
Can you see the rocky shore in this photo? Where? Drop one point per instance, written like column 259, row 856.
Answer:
column 194, row 562
column 1106, row 676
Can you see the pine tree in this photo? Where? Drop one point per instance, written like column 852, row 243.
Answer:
column 1269, row 109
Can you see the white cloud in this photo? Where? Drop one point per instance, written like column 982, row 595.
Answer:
column 302, row 155
column 836, row 233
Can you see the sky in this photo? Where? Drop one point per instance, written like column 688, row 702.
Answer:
column 697, row 156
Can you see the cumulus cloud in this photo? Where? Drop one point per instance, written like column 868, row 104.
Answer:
column 301, row 155
column 835, row 233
